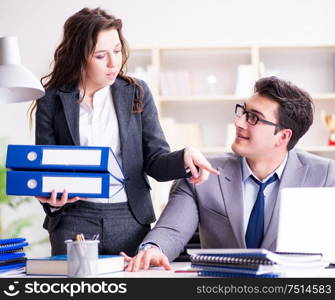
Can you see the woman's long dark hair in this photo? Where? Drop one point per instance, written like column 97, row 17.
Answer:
column 79, row 40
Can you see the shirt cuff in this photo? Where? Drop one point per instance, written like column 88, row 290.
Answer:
column 146, row 246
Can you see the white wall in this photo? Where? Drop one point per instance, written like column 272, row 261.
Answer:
column 38, row 25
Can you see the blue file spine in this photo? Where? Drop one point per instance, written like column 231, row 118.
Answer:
column 34, row 183
column 63, row 158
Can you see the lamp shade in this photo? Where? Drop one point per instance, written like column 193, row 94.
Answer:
column 17, row 83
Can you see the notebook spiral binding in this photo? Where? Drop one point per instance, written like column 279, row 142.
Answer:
column 229, row 260
column 4, row 251
column 9, row 245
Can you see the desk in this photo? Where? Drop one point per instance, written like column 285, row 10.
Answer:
column 159, row 272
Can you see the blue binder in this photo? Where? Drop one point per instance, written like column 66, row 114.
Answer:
column 10, row 255
column 11, row 241
column 5, row 249
column 63, row 158
column 40, row 183
column 12, row 267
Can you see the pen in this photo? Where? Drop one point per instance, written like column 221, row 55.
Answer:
column 83, row 260
column 186, row 271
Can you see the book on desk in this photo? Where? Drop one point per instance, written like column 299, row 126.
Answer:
column 57, row 265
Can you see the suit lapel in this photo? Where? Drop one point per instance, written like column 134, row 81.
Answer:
column 69, row 98
column 230, row 179
column 123, row 98
column 294, row 175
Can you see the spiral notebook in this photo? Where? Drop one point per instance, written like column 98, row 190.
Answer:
column 12, row 257
column 252, row 256
column 251, row 262
column 12, row 245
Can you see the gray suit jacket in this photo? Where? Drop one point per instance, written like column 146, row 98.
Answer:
column 143, row 145
column 217, row 205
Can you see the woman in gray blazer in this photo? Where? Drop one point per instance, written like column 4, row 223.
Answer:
column 90, row 101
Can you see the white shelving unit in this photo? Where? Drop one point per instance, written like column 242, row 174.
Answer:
column 196, row 89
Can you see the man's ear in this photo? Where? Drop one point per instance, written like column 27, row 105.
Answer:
column 284, row 137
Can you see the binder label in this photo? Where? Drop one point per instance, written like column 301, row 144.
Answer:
column 71, row 157
column 72, row 184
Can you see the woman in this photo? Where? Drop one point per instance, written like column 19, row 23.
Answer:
column 90, row 101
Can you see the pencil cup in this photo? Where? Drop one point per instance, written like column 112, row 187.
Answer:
column 82, row 258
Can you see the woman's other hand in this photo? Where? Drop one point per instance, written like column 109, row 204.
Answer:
column 58, row 202
column 193, row 158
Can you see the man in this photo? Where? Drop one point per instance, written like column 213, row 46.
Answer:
column 239, row 208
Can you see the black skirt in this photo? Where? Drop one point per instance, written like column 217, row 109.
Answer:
column 114, row 222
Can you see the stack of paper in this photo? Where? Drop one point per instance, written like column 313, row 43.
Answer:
column 81, row 171
column 252, row 262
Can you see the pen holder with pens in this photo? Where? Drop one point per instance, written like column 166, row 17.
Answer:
column 82, row 258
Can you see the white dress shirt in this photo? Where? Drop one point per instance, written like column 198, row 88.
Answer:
column 250, row 191
column 98, row 126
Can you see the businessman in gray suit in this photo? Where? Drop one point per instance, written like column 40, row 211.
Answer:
column 239, row 208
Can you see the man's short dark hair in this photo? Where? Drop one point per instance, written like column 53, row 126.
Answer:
column 296, row 106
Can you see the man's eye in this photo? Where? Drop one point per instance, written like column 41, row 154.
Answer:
column 252, row 117
column 100, row 56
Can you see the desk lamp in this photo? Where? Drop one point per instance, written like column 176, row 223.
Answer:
column 17, row 83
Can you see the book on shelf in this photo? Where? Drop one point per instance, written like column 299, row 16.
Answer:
column 176, row 83
column 245, row 80
column 64, row 158
column 57, row 265
column 253, row 262
column 41, row 183
column 189, row 133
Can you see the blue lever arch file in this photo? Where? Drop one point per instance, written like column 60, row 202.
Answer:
column 63, row 158
column 41, row 183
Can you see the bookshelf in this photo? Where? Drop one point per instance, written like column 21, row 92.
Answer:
column 197, row 88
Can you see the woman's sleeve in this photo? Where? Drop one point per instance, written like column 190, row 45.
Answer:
column 159, row 162
column 44, row 132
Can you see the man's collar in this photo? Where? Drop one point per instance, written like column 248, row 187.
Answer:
column 246, row 171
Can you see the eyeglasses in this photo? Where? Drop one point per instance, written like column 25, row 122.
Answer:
column 250, row 117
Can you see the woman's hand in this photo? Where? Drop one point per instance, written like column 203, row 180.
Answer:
column 193, row 158
column 57, row 202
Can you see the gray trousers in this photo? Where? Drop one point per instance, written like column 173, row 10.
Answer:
column 117, row 228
